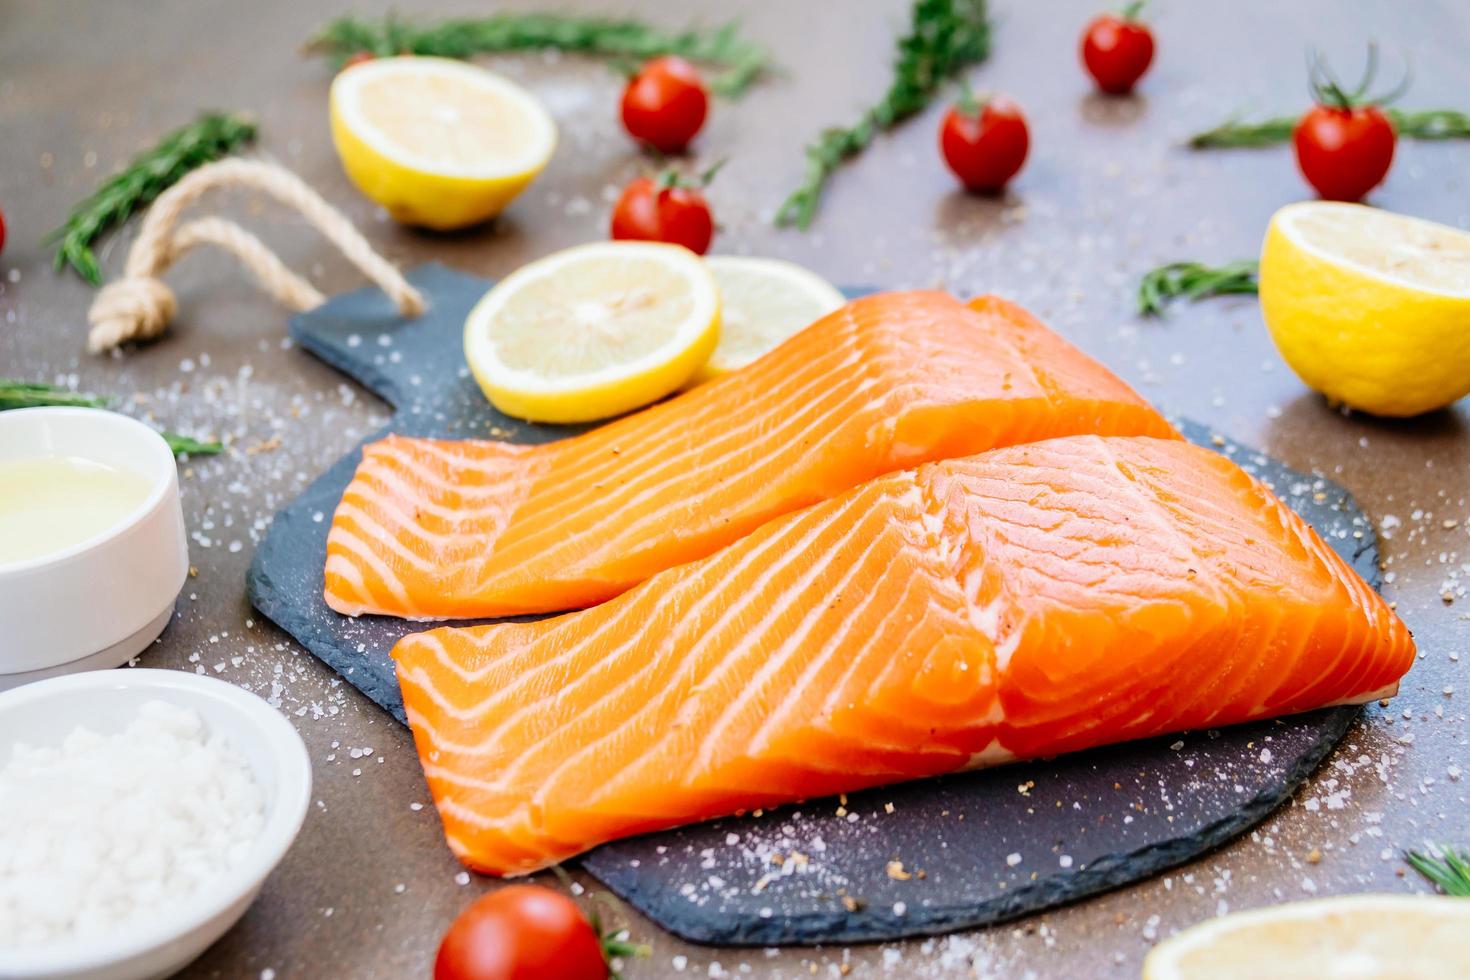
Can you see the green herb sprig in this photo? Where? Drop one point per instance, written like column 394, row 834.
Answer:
column 27, row 394
column 31, row 394
column 1449, row 869
column 622, row 40
column 1194, row 281
column 189, row 446
column 1418, row 124
column 150, row 173
column 944, row 38
column 1235, row 134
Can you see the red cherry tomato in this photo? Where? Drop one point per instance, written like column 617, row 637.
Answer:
column 985, row 145
column 665, row 104
column 1344, row 152
column 663, row 210
column 2, row 231
column 1117, row 51
column 521, row 932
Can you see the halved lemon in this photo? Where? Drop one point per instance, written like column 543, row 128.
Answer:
column 593, row 331
column 1366, row 937
column 763, row 302
column 436, row 142
column 1370, row 308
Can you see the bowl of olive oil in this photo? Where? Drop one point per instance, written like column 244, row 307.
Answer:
column 92, row 548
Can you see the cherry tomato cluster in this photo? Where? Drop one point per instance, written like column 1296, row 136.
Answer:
column 664, row 107
column 1344, row 144
column 984, row 141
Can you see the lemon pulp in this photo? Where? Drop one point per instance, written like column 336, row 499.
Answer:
column 593, row 331
column 1368, row 307
column 763, row 302
column 1368, row 937
column 437, row 142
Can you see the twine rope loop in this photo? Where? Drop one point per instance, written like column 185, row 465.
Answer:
column 140, row 305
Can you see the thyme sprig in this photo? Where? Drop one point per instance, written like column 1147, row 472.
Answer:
column 944, row 38
column 1194, row 281
column 621, row 40
column 33, row 394
column 1449, row 869
column 150, row 173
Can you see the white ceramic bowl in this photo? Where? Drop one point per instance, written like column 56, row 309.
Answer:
column 100, row 602
column 106, row 701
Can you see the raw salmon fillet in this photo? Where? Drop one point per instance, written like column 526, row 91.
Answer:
column 434, row 529
column 1024, row 602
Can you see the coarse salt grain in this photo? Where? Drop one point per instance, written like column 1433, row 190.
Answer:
column 105, row 832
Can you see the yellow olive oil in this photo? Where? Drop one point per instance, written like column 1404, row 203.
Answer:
column 50, row 503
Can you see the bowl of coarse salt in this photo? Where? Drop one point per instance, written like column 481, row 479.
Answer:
column 142, row 811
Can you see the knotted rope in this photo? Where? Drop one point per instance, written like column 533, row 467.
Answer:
column 139, row 305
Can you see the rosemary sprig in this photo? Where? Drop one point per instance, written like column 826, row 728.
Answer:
column 31, row 394
column 1448, row 869
column 150, row 173
column 1418, row 124
column 1431, row 124
column 622, row 40
column 1232, row 133
column 26, row 394
column 189, row 446
column 945, row 37
column 1194, row 281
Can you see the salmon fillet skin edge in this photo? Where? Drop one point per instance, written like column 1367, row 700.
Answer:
column 439, row 529
column 1024, row 602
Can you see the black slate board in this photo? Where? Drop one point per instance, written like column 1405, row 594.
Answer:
column 991, row 845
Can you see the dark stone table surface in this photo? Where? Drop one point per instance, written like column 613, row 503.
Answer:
column 1108, row 192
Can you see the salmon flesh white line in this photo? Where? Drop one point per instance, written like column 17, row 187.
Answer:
column 1024, row 602
column 436, row 529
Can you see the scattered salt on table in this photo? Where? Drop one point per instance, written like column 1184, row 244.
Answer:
column 108, row 832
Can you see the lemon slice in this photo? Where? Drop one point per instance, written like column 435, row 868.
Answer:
column 1366, row 937
column 436, row 142
column 593, row 331
column 1369, row 307
column 763, row 301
